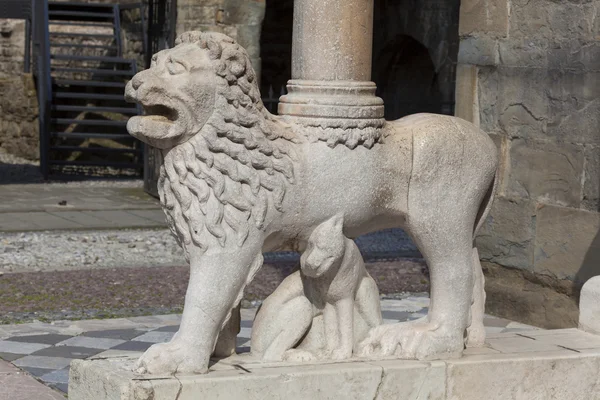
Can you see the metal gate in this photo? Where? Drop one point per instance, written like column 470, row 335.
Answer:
column 162, row 19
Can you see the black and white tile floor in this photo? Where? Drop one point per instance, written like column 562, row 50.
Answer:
column 45, row 350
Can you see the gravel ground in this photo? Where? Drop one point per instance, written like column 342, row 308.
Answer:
column 117, row 292
column 65, row 250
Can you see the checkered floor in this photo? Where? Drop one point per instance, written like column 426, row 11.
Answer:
column 46, row 350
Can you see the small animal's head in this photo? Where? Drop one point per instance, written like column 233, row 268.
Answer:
column 179, row 90
column 325, row 248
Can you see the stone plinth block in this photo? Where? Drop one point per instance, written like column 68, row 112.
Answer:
column 556, row 364
column 589, row 306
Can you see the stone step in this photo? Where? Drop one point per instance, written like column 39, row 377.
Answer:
column 557, row 364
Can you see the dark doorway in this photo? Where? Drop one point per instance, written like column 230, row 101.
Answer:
column 415, row 49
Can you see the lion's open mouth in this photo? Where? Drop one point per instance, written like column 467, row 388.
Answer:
column 157, row 126
column 160, row 113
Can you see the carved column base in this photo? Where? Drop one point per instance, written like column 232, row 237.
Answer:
column 332, row 103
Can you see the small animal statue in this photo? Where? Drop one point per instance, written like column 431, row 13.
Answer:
column 237, row 181
column 324, row 309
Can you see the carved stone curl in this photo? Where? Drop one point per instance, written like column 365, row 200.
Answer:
column 237, row 181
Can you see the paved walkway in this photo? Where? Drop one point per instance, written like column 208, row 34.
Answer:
column 46, row 350
column 69, row 207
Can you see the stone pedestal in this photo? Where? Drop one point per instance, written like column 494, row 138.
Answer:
column 557, row 364
column 589, row 306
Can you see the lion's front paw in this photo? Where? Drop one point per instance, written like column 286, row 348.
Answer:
column 170, row 358
column 340, row 354
column 421, row 341
column 296, row 355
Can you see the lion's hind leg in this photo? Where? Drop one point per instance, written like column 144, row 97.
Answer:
column 476, row 330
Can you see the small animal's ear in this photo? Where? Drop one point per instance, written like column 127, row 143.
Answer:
column 338, row 222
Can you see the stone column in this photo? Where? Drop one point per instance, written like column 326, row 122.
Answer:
column 331, row 64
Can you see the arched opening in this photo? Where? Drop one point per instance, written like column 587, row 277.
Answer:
column 276, row 51
column 406, row 78
column 415, row 51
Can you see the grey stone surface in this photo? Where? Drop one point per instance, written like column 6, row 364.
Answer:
column 508, row 235
column 18, row 112
column 155, row 337
column 7, row 346
column 478, row 51
column 68, row 351
column 402, row 308
column 545, row 172
column 19, row 386
column 591, row 185
column 544, row 365
column 58, row 376
column 115, row 334
column 489, row 17
column 50, row 338
column 43, row 362
column 566, row 244
column 97, row 343
column 27, row 198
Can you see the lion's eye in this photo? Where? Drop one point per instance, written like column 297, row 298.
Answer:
column 175, row 67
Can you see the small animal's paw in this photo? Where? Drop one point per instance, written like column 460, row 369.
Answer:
column 296, row 355
column 170, row 358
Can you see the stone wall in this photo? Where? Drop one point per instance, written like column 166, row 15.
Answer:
column 18, row 112
column 240, row 19
column 19, row 129
column 529, row 74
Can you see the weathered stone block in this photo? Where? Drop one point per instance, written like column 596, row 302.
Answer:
column 508, row 233
column 591, row 184
column 467, row 102
column 546, row 172
column 589, row 306
column 541, row 375
column 248, row 36
column 540, row 365
column 244, row 12
column 567, row 243
column 478, row 50
column 487, row 94
column 574, row 108
column 489, row 17
column 523, row 52
column 520, row 102
column 574, row 55
column 197, row 14
column 523, row 296
column 18, row 117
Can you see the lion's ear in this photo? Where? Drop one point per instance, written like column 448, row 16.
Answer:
column 236, row 61
column 188, row 37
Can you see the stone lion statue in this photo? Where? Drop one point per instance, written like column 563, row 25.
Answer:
column 237, row 181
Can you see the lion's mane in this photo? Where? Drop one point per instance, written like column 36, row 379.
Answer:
column 223, row 180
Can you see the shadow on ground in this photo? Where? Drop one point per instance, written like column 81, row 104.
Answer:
column 19, row 174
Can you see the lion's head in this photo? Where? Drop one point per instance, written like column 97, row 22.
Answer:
column 179, row 90
column 227, row 159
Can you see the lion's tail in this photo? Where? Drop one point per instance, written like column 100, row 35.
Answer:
column 486, row 205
